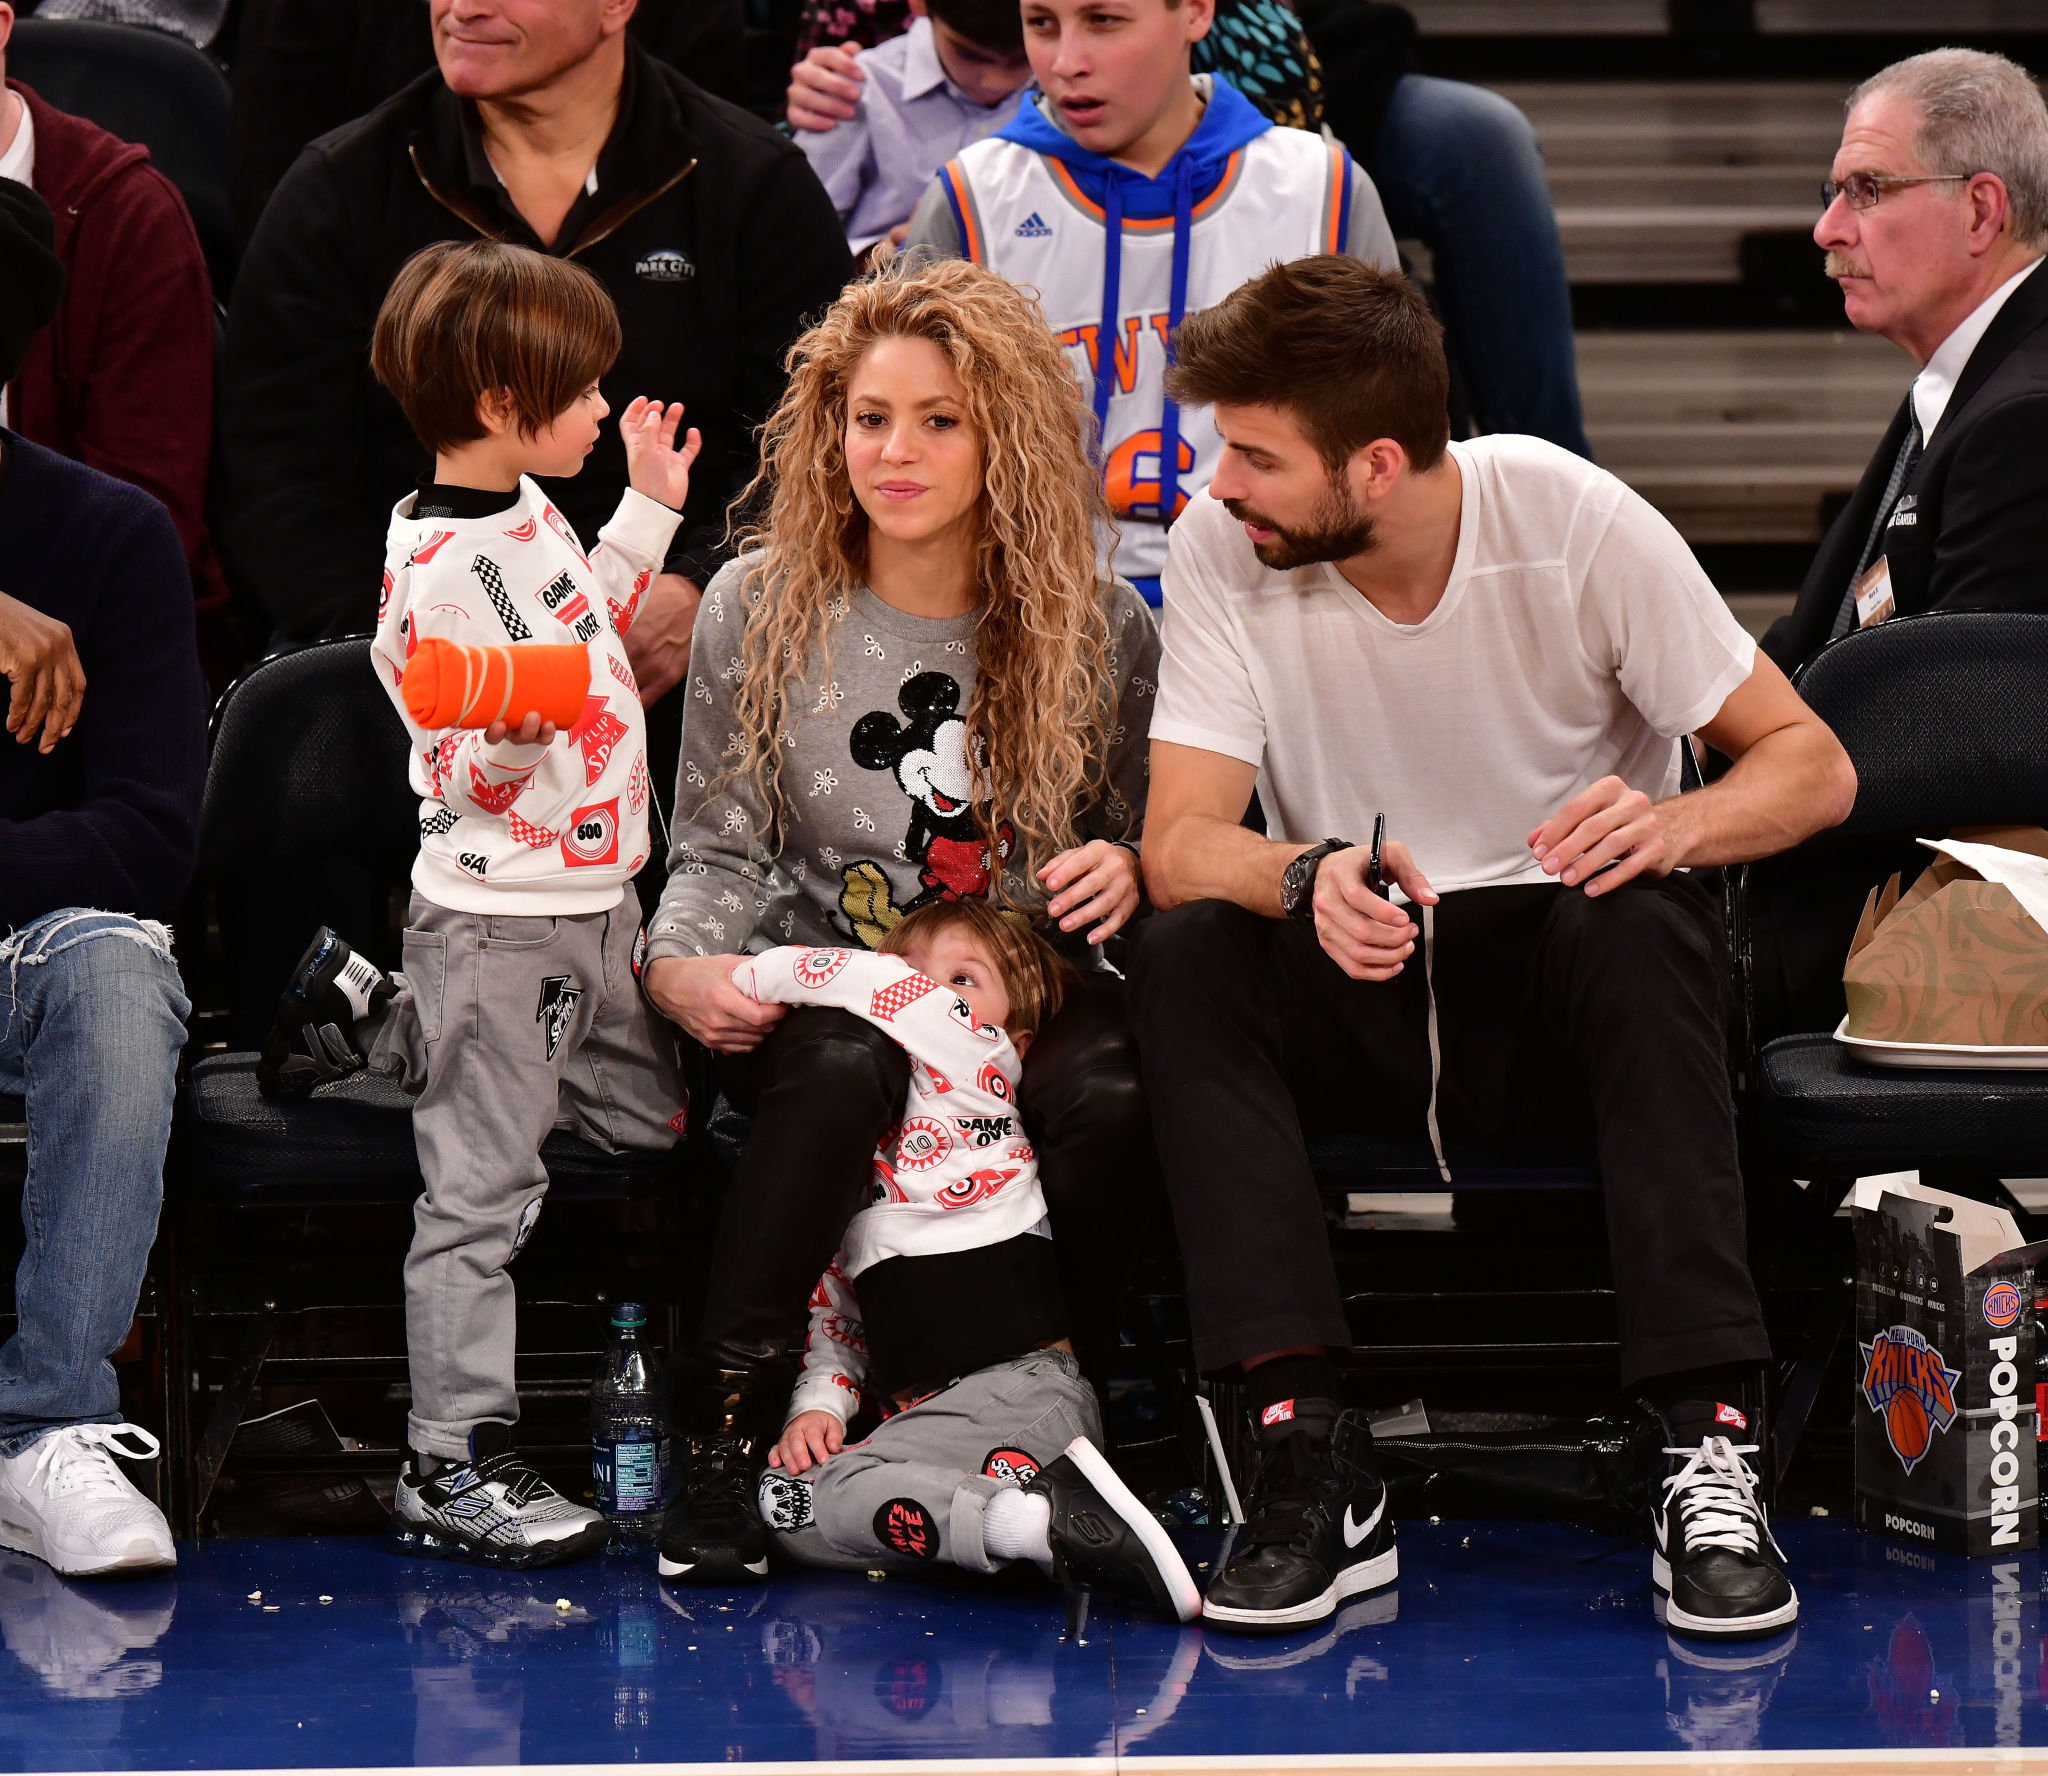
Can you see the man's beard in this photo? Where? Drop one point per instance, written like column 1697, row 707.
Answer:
column 1337, row 530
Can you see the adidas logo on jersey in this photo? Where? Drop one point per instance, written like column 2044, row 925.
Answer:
column 1033, row 228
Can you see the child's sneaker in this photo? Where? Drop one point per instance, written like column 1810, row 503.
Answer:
column 1102, row 1535
column 313, row 1042
column 64, row 1499
column 492, row 1509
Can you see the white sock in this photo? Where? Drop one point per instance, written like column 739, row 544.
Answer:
column 1014, row 1525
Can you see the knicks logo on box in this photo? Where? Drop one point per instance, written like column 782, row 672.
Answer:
column 1905, row 1381
column 2001, row 1305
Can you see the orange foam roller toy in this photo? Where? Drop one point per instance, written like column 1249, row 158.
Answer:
column 451, row 685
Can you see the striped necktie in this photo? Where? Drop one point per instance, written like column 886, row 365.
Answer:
column 1909, row 454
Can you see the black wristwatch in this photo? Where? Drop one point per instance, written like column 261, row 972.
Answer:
column 1298, row 885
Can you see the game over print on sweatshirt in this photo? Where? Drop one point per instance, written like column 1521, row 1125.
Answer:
column 555, row 829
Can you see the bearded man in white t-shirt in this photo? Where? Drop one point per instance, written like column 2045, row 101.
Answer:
column 1497, row 646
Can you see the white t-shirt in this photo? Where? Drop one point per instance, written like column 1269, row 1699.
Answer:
column 1577, row 637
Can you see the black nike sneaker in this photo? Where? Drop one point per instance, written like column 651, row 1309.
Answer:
column 1716, row 1562
column 713, row 1533
column 313, row 1042
column 1316, row 1529
column 492, row 1509
column 1102, row 1535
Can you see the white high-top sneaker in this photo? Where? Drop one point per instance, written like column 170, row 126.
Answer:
column 64, row 1500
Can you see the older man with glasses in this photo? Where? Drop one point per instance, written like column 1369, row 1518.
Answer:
column 1935, row 221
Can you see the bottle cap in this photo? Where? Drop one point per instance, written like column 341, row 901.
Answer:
column 629, row 1313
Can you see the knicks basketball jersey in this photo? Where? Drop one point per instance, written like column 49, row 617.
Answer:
column 1283, row 195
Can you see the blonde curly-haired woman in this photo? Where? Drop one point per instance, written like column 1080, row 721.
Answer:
column 913, row 686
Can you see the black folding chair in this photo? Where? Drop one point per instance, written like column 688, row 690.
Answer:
column 147, row 87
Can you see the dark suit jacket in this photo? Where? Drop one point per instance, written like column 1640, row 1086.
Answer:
column 1974, row 533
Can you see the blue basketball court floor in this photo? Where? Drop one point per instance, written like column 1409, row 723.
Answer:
column 1504, row 1645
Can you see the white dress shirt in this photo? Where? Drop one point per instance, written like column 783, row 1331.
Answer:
column 1937, row 382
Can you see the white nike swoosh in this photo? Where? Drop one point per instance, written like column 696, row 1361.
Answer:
column 1354, row 1533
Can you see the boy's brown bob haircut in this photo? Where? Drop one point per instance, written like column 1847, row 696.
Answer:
column 1034, row 976
column 1353, row 353
column 464, row 318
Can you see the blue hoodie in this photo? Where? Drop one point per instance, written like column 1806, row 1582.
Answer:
column 1197, row 168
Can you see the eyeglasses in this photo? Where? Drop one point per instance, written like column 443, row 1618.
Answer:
column 1864, row 189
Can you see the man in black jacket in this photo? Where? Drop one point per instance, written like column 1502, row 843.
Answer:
column 544, row 125
column 101, row 766
column 1936, row 221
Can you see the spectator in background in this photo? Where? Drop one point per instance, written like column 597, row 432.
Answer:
column 100, row 775
column 1936, row 221
column 123, row 378
column 1457, row 167
column 304, row 67
column 545, row 126
column 956, row 74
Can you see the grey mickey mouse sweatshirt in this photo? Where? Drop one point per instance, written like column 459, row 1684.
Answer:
column 876, row 780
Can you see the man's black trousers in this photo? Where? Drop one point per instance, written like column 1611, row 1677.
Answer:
column 1561, row 1022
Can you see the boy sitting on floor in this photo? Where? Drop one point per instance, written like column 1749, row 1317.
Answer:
column 519, row 1009
column 979, row 1462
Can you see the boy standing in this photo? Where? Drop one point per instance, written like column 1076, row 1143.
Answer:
column 955, row 75
column 1196, row 190
column 519, row 1008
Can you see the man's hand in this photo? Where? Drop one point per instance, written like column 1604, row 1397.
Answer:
column 38, row 655
column 530, row 732
column 824, row 88
column 1367, row 936
column 808, row 1440
column 697, row 992
column 1097, row 881
column 656, row 464
column 1609, row 823
column 658, row 644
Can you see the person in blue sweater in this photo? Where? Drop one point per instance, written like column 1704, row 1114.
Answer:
column 101, row 766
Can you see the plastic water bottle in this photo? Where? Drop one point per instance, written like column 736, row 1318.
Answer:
column 629, row 1442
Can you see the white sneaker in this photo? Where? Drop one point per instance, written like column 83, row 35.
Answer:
column 64, row 1500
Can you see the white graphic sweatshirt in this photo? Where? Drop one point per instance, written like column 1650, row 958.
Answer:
column 955, row 1174
column 526, row 829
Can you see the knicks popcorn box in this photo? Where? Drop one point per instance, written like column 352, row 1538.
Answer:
column 1945, row 1406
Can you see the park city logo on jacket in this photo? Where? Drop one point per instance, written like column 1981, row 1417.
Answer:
column 1908, row 1384
column 665, row 266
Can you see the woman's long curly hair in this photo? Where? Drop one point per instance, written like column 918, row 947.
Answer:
column 1043, row 702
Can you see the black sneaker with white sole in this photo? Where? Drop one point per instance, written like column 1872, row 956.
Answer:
column 727, row 1419
column 1101, row 1534
column 1715, row 1562
column 313, row 1042
column 1317, row 1529
column 493, row 1510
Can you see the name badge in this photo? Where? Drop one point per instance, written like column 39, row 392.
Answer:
column 1874, row 594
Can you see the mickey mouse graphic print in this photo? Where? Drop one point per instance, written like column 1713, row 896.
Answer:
column 878, row 792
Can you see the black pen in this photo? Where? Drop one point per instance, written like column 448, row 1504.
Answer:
column 1374, row 880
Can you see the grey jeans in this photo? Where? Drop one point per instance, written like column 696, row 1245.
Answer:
column 914, row 1492
column 504, row 1028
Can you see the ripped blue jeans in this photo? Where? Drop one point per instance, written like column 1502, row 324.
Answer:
column 92, row 1016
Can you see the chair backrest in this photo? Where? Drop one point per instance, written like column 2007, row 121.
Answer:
column 1945, row 717
column 143, row 86
column 309, row 762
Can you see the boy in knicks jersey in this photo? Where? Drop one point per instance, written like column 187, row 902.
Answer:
column 943, row 1305
column 519, row 1008
column 1129, row 193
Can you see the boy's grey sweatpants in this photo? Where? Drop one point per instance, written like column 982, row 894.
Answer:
column 505, row 1027
column 915, row 1490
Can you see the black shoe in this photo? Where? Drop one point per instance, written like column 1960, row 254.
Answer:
column 1316, row 1530
column 713, row 1533
column 492, row 1509
column 1102, row 1535
column 313, row 1042
column 1716, row 1561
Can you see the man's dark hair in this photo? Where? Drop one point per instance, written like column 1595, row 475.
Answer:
column 467, row 318
column 1353, row 353
column 990, row 24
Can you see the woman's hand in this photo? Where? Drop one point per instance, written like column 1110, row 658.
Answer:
column 1095, row 881
column 808, row 1440
column 38, row 654
column 697, row 992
